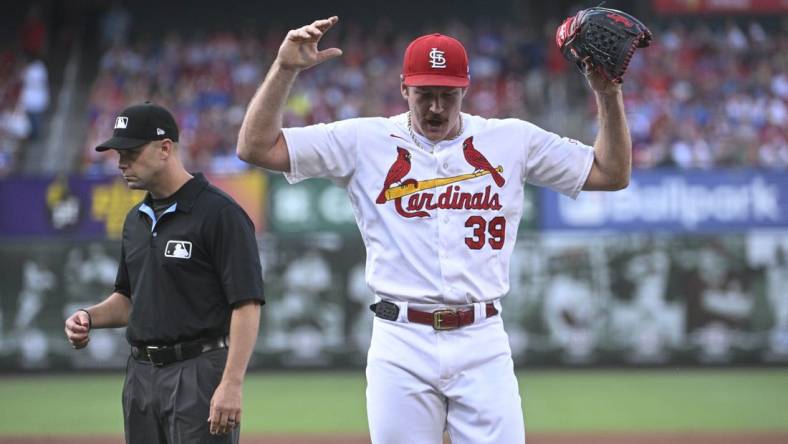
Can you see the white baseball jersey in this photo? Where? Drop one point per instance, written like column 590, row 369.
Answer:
column 439, row 223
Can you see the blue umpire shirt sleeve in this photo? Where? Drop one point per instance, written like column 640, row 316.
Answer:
column 236, row 257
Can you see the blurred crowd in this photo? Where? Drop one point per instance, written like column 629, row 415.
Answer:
column 700, row 97
column 24, row 89
column 703, row 98
column 208, row 80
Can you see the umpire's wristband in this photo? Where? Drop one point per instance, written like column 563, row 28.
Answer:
column 90, row 319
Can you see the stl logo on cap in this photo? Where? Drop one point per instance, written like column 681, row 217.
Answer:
column 436, row 58
column 121, row 122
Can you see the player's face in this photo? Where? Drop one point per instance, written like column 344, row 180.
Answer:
column 140, row 166
column 435, row 110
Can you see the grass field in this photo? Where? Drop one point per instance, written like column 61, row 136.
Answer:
column 325, row 403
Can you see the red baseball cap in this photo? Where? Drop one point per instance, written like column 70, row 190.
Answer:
column 435, row 60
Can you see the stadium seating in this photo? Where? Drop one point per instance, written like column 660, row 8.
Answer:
column 698, row 98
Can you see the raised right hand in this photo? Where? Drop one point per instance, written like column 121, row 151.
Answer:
column 299, row 49
column 77, row 329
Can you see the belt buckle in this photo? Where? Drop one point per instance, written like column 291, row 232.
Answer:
column 154, row 349
column 437, row 319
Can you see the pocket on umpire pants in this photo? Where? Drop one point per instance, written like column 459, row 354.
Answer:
column 137, row 390
column 191, row 385
column 124, row 397
column 140, row 417
column 217, row 359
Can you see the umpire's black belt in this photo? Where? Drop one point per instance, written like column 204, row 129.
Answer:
column 160, row 355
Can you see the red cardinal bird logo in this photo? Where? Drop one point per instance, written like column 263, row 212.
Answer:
column 478, row 161
column 398, row 170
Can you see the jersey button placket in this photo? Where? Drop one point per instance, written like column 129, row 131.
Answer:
column 442, row 218
column 443, row 254
column 447, row 230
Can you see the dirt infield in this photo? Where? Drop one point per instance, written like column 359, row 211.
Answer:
column 534, row 438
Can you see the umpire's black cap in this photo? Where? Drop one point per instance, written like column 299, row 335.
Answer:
column 139, row 124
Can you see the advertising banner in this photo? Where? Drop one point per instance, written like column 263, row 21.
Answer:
column 676, row 201
column 95, row 207
column 689, row 7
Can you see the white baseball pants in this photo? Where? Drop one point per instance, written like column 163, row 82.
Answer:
column 421, row 381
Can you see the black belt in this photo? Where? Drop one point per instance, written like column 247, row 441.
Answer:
column 160, row 355
column 444, row 319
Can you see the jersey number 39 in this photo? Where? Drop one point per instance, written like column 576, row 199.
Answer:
column 496, row 229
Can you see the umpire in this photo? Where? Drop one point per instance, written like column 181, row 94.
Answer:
column 189, row 287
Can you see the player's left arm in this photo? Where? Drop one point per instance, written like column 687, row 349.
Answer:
column 613, row 147
column 225, row 413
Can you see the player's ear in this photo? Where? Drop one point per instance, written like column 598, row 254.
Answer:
column 403, row 90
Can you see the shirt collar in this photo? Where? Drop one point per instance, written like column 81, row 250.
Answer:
column 186, row 194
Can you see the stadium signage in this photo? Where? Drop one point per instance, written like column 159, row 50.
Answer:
column 694, row 7
column 95, row 207
column 678, row 202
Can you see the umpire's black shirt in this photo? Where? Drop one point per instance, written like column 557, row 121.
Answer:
column 185, row 270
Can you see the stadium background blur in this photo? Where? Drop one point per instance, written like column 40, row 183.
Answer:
column 687, row 268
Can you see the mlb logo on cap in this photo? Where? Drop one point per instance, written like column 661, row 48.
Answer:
column 435, row 60
column 138, row 125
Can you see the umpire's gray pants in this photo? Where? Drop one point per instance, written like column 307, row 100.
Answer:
column 170, row 404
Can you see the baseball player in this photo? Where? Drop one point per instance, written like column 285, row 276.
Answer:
column 438, row 196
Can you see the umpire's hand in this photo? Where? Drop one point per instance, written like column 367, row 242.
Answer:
column 299, row 49
column 225, row 412
column 78, row 329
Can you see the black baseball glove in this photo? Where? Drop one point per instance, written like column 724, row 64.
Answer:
column 602, row 39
